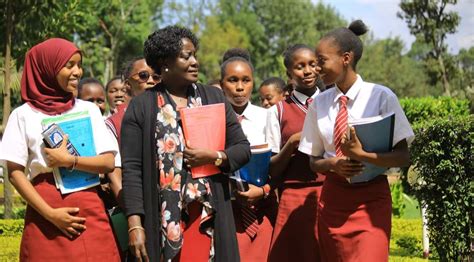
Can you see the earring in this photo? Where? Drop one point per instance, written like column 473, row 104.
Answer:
column 166, row 69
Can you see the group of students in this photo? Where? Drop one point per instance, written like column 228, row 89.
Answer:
column 307, row 211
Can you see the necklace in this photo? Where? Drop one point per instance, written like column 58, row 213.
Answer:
column 177, row 99
column 180, row 101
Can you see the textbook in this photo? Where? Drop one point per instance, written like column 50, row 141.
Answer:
column 376, row 135
column 204, row 127
column 255, row 171
column 78, row 127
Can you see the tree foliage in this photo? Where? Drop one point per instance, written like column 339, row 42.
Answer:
column 274, row 25
column 430, row 20
column 464, row 79
column 35, row 21
column 215, row 40
column 115, row 32
column 384, row 63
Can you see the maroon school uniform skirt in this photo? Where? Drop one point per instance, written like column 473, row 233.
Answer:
column 355, row 220
column 42, row 241
column 196, row 244
column 295, row 237
column 256, row 249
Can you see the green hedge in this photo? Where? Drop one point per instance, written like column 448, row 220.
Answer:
column 419, row 110
column 423, row 110
column 10, row 248
column 442, row 156
column 11, row 227
column 406, row 238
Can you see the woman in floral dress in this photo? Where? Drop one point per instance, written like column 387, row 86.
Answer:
column 171, row 216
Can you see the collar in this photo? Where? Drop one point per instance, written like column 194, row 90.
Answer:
column 353, row 90
column 248, row 111
column 302, row 97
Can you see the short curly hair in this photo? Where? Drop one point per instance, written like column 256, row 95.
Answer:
column 166, row 44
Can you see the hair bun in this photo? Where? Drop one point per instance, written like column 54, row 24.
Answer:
column 358, row 27
column 236, row 52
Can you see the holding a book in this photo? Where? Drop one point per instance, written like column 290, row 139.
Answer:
column 174, row 212
column 255, row 207
column 58, row 226
column 354, row 218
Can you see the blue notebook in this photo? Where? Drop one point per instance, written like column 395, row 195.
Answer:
column 375, row 135
column 78, row 127
column 255, row 171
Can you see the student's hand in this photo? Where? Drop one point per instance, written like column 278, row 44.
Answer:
column 346, row 168
column 70, row 225
column 294, row 140
column 352, row 148
column 136, row 244
column 253, row 194
column 194, row 157
column 59, row 157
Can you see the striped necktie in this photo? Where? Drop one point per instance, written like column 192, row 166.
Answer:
column 249, row 220
column 341, row 124
column 240, row 118
column 249, row 215
column 308, row 102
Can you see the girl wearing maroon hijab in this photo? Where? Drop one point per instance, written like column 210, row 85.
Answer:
column 58, row 227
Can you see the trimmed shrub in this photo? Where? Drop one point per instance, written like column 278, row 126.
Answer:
column 442, row 154
column 419, row 110
column 426, row 109
column 411, row 245
column 406, row 239
column 10, row 248
column 11, row 227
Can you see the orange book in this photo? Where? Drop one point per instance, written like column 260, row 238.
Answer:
column 204, row 127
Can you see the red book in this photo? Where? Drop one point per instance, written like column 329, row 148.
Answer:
column 204, row 127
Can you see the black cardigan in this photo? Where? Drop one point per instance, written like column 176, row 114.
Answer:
column 140, row 178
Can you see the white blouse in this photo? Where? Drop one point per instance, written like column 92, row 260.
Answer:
column 254, row 124
column 23, row 143
column 365, row 100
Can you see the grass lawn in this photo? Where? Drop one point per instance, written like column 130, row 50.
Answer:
column 412, row 208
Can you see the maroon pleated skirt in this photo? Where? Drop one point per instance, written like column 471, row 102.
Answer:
column 256, row 249
column 42, row 241
column 295, row 237
column 196, row 244
column 355, row 220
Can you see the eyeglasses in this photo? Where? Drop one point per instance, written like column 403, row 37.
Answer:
column 145, row 75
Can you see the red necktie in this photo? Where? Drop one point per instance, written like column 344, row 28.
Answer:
column 308, row 102
column 249, row 216
column 249, row 220
column 240, row 118
column 341, row 124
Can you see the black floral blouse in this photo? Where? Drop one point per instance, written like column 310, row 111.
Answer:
column 177, row 187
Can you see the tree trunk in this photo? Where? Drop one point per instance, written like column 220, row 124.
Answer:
column 8, row 190
column 111, row 58
column 446, row 85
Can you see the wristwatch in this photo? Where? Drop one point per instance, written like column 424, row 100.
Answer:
column 218, row 161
